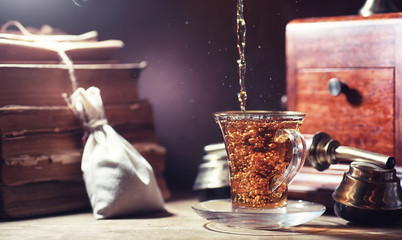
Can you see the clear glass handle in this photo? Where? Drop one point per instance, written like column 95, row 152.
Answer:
column 298, row 156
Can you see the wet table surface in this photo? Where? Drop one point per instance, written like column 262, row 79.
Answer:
column 180, row 222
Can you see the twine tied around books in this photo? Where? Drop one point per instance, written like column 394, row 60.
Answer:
column 47, row 44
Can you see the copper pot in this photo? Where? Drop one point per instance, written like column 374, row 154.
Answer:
column 369, row 194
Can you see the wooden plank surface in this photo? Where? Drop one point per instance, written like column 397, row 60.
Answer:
column 179, row 222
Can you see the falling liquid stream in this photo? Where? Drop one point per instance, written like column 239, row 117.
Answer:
column 241, row 44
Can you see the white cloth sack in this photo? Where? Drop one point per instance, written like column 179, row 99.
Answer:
column 119, row 181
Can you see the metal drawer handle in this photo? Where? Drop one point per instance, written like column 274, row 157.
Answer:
column 336, row 87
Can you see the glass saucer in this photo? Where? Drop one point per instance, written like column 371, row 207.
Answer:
column 296, row 213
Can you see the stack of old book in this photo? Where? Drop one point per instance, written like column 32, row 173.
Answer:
column 41, row 139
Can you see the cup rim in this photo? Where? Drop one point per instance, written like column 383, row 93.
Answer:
column 261, row 114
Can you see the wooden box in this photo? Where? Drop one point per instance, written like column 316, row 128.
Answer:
column 364, row 54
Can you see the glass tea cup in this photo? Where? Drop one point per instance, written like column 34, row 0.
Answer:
column 265, row 152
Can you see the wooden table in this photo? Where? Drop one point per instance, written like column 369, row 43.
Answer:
column 180, row 222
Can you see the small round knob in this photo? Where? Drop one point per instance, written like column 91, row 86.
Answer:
column 335, row 87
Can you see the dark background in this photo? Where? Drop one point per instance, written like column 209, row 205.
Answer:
column 190, row 48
